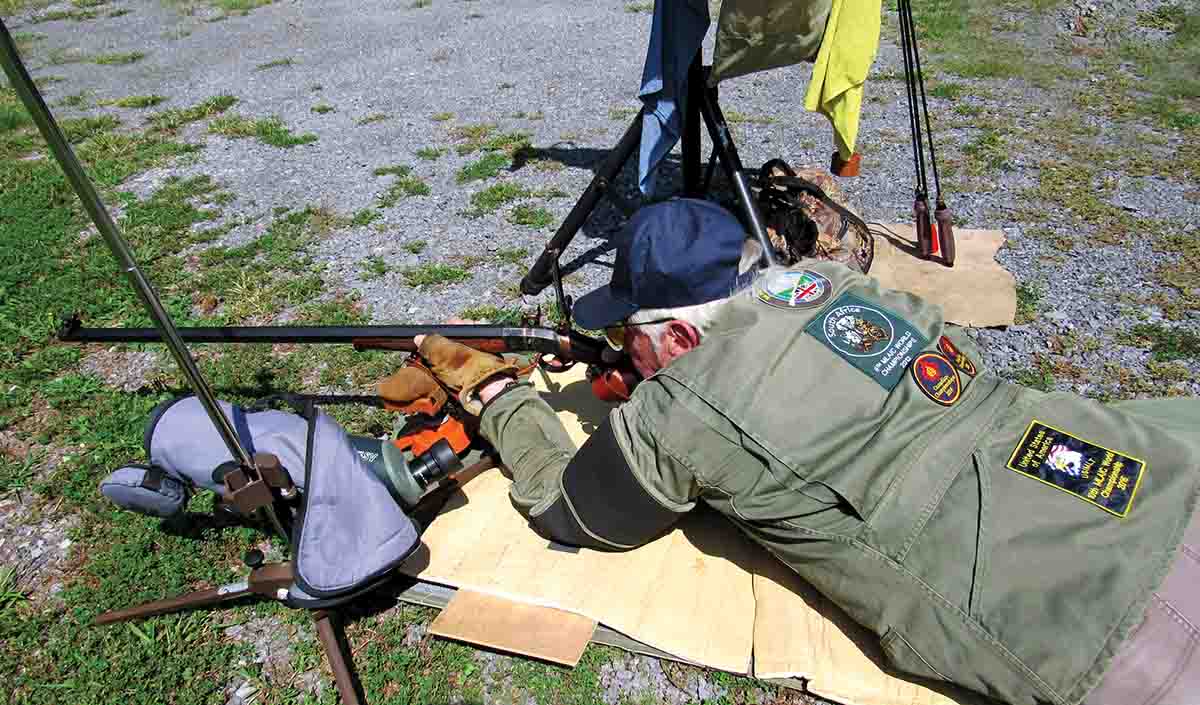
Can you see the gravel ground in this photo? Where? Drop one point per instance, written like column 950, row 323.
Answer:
column 567, row 73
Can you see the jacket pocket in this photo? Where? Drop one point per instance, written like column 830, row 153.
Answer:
column 902, row 655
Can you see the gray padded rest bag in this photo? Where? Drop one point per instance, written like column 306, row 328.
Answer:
column 146, row 490
column 350, row 530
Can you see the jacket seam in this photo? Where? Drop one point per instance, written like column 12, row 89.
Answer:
column 967, row 621
column 918, row 654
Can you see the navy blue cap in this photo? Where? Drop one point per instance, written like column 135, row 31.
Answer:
column 680, row 252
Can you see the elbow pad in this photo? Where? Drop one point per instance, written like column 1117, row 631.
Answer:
column 603, row 505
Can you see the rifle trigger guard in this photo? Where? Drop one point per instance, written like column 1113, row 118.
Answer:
column 552, row 363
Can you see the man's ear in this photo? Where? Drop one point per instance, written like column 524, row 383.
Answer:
column 680, row 337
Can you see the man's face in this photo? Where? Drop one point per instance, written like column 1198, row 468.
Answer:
column 676, row 339
column 642, row 352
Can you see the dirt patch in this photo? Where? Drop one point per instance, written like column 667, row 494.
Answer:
column 126, row 370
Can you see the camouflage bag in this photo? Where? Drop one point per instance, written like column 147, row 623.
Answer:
column 804, row 220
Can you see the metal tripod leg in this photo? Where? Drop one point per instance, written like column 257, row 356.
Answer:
column 341, row 662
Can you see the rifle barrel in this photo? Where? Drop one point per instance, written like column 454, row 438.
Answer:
column 496, row 339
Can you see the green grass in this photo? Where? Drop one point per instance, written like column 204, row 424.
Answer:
column 75, row 100
column 415, row 247
column 73, row 15
column 492, row 314
column 636, row 7
column 270, row 131
column 277, row 63
column 119, row 58
column 484, row 168
column 490, row 199
column 405, row 185
column 515, row 255
column 441, row 117
column 11, row 593
column 1166, row 344
column 366, row 216
column 323, row 108
column 373, row 118
column 734, row 117
column 374, row 267
column 171, row 120
column 427, row 275
column 1029, row 303
column 430, row 153
column 531, row 216
column 419, row 4
column 135, row 101
column 948, row 91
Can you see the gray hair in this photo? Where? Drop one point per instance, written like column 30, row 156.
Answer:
column 702, row 316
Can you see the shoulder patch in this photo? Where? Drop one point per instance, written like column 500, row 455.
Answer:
column 797, row 289
column 868, row 336
column 956, row 356
column 1106, row 478
column 937, row 378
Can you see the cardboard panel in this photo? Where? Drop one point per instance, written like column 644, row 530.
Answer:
column 494, row 622
column 976, row 291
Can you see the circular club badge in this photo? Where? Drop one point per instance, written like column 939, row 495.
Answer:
column 937, row 378
column 858, row 331
column 803, row 289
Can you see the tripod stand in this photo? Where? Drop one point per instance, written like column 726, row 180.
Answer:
column 701, row 105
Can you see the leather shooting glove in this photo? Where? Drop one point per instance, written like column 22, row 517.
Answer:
column 462, row 368
column 412, row 390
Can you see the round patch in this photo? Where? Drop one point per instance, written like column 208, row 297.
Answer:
column 956, row 356
column 936, row 378
column 858, row 331
column 802, row 289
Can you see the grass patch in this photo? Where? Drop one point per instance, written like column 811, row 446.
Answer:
column 171, row 120
column 430, row 153
column 441, row 117
column 491, row 314
column 119, row 58
column 372, row 118
column 277, row 63
column 73, row 15
column 486, row 167
column 79, row 129
column 636, row 7
column 514, row 255
column 75, row 100
column 405, row 185
column 531, row 216
column 415, row 247
column 622, row 112
column 323, row 108
column 989, row 151
column 947, row 91
column 733, row 117
column 1029, row 303
column 427, row 275
column 490, row 199
column 420, row 4
column 366, row 216
column 1165, row 344
column 269, row 131
column 374, row 267
column 135, row 101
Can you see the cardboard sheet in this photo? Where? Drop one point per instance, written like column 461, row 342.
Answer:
column 689, row 593
column 529, row 630
column 976, row 291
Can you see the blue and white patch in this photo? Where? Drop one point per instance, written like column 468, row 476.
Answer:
column 796, row 289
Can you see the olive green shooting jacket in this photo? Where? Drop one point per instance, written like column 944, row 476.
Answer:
column 993, row 536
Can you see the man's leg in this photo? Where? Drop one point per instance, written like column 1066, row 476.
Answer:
column 1160, row 663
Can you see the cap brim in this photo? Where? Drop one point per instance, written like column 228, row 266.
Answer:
column 600, row 308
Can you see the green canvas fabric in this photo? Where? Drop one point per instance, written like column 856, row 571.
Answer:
column 899, row 509
column 755, row 35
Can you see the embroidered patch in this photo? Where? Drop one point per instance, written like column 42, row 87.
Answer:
column 1106, row 478
column 956, row 356
column 802, row 289
column 937, row 378
column 873, row 339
